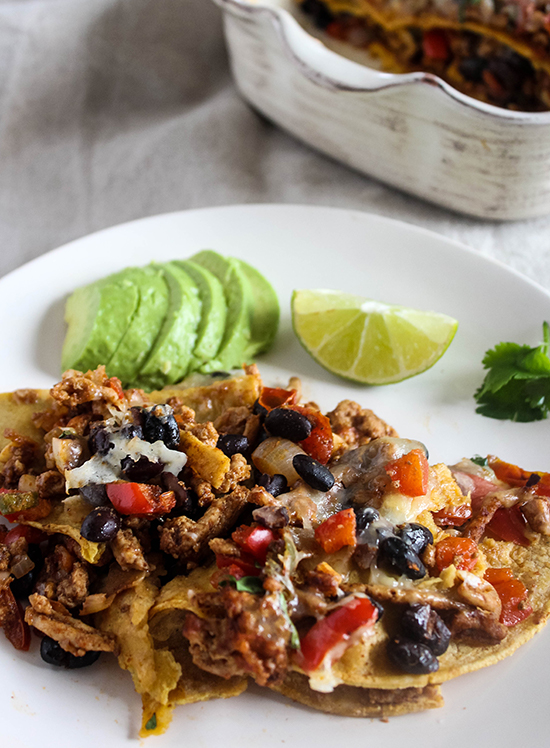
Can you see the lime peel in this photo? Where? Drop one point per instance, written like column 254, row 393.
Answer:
column 368, row 341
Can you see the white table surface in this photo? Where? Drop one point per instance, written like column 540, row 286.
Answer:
column 116, row 109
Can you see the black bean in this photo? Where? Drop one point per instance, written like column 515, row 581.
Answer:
column 188, row 507
column 364, row 516
column 319, row 12
column 412, row 657
column 232, row 444
column 141, row 470
column 171, row 483
column 95, row 494
column 131, row 431
column 99, row 441
column 23, row 586
column 471, row 68
column 422, row 624
column 52, row 653
column 101, row 525
column 313, row 473
column 171, row 433
column 273, row 484
column 400, row 557
column 153, row 427
column 259, row 410
column 417, row 536
column 288, row 424
column 273, row 517
column 159, row 424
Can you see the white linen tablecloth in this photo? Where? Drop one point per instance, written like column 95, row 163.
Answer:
column 112, row 110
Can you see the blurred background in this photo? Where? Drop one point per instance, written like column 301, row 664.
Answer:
column 112, row 110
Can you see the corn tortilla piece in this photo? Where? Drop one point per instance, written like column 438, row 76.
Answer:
column 212, row 400
column 154, row 671
column 66, row 518
column 16, row 414
column 348, row 701
column 208, row 462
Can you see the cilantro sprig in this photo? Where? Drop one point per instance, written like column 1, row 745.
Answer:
column 517, row 384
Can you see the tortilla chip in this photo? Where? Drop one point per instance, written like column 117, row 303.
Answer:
column 347, row 701
column 211, row 401
column 16, row 413
column 208, row 462
column 66, row 518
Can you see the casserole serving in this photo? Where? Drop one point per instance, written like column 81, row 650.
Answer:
column 413, row 130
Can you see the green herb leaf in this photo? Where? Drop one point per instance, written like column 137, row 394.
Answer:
column 517, row 384
column 479, row 460
column 250, row 584
column 152, row 723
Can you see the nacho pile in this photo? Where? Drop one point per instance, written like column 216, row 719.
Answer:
column 210, row 535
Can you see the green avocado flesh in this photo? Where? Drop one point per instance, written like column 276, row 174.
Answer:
column 152, row 326
column 264, row 310
column 145, row 325
column 214, row 312
column 169, row 359
column 97, row 316
column 234, row 346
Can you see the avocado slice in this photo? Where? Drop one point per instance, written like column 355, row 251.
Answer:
column 97, row 316
column 169, row 360
column 264, row 310
column 214, row 313
column 145, row 325
column 238, row 297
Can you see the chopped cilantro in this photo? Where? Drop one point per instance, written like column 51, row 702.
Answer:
column 245, row 584
column 479, row 460
column 517, row 385
column 152, row 723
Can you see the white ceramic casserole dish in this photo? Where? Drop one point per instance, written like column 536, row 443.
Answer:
column 413, row 131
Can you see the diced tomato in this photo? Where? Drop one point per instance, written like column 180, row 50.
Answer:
column 410, row 473
column 140, row 498
column 13, row 622
column 237, row 567
column 319, row 443
column 453, row 516
column 435, row 44
column 116, row 384
column 337, row 531
column 513, row 595
column 254, row 541
column 274, row 397
column 462, row 552
column 335, row 628
column 508, row 473
column 31, row 535
column 509, row 524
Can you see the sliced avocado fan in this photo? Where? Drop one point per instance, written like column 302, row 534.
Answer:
column 169, row 360
column 145, row 325
column 236, row 339
column 97, row 316
column 214, row 312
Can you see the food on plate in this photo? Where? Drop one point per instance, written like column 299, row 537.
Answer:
column 152, row 326
column 368, row 341
column 226, row 532
column 517, row 385
column 496, row 51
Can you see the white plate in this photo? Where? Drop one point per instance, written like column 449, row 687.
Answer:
column 297, row 247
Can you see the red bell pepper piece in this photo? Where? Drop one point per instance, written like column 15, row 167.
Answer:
column 237, row 567
column 31, row 535
column 508, row 473
column 508, row 524
column 337, row 531
column 512, row 593
column 335, row 628
column 140, row 498
column 435, row 44
column 410, row 473
column 41, row 510
column 11, row 615
column 319, row 443
column 462, row 552
column 254, row 541
column 453, row 516
column 275, row 397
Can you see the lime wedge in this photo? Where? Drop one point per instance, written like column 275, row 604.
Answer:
column 368, row 341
